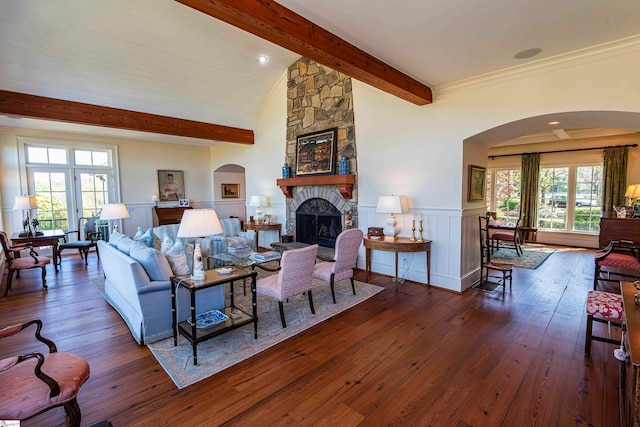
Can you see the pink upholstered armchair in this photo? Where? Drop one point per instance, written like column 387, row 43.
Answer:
column 295, row 277
column 15, row 264
column 26, row 390
column 344, row 262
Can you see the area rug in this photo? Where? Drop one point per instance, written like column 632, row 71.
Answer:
column 532, row 256
column 233, row 347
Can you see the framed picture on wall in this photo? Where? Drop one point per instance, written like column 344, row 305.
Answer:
column 171, row 185
column 230, row 191
column 316, row 153
column 477, row 182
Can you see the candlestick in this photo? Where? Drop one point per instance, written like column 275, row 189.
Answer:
column 420, row 239
column 413, row 230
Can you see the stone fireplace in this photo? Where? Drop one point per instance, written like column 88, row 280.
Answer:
column 320, row 98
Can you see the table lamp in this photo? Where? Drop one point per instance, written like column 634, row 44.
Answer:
column 258, row 201
column 26, row 203
column 391, row 205
column 112, row 211
column 198, row 223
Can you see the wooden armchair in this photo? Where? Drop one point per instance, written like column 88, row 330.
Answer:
column 86, row 237
column 15, row 264
column 510, row 237
column 619, row 257
column 294, row 277
column 26, row 390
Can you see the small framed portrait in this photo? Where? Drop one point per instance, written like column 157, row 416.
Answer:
column 183, row 203
column 477, row 182
column 170, row 185
column 316, row 153
column 230, row 191
column 266, row 219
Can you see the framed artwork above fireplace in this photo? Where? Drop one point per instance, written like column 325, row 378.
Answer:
column 316, row 153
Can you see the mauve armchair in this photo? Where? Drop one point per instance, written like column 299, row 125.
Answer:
column 295, row 276
column 33, row 383
column 344, row 262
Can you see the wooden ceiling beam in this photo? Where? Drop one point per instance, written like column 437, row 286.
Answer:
column 40, row 107
column 277, row 24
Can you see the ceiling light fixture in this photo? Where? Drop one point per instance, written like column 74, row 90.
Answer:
column 553, row 123
column 527, row 53
column 263, row 59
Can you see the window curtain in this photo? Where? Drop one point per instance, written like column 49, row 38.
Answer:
column 529, row 178
column 614, row 177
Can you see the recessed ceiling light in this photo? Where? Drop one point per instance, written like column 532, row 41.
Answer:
column 527, row 53
column 553, row 123
column 263, row 59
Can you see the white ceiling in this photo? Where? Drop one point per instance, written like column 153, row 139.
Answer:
column 161, row 57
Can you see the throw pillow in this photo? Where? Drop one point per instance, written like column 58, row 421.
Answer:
column 152, row 260
column 177, row 256
column 167, row 243
column 124, row 244
column 115, row 237
column 144, row 236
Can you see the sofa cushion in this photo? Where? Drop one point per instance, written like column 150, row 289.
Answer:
column 178, row 258
column 152, row 260
column 144, row 236
column 115, row 237
column 124, row 244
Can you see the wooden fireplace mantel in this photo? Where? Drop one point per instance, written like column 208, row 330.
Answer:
column 343, row 182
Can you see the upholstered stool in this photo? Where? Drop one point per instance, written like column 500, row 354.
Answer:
column 602, row 307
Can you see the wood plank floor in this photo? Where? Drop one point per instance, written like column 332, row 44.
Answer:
column 422, row 356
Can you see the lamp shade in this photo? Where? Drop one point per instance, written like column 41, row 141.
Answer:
column 25, row 203
column 630, row 189
column 114, row 211
column 636, row 192
column 199, row 223
column 258, row 201
column 392, row 204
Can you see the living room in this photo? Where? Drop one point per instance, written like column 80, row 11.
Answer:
column 421, row 152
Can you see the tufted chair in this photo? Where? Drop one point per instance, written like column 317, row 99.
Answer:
column 344, row 262
column 295, row 276
column 619, row 257
column 34, row 383
column 15, row 264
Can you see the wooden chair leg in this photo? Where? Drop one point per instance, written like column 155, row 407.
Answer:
column 86, row 257
column 9, row 279
column 587, row 341
column 44, row 278
column 313, row 310
column 353, row 286
column 284, row 324
column 333, row 292
column 73, row 411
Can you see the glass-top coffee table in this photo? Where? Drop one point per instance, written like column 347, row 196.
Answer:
column 226, row 259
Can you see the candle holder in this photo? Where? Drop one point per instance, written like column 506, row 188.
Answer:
column 421, row 239
column 413, row 230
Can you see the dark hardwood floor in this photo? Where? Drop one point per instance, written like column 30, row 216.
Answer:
column 423, row 356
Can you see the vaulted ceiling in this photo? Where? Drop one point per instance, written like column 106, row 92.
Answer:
column 168, row 59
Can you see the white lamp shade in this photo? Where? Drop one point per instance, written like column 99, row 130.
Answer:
column 114, row 211
column 392, row 204
column 25, row 203
column 258, row 201
column 199, row 223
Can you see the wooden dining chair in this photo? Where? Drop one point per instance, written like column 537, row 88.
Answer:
column 84, row 238
column 492, row 272
column 620, row 258
column 511, row 237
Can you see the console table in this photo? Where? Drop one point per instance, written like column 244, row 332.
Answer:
column 402, row 244
column 260, row 226
column 48, row 238
column 630, row 369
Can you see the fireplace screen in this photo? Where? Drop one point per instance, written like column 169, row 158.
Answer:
column 318, row 221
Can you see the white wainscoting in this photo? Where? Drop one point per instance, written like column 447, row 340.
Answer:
column 441, row 226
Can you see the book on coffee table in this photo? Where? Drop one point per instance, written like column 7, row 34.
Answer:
column 267, row 256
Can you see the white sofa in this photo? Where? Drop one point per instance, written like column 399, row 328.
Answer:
column 138, row 286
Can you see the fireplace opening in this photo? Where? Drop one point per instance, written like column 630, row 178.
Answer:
column 318, row 221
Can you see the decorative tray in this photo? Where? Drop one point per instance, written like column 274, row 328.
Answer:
column 225, row 270
column 208, row 319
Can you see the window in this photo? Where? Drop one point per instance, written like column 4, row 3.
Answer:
column 588, row 198
column 552, row 198
column 507, row 194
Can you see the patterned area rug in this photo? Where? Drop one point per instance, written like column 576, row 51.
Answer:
column 234, row 346
column 532, row 257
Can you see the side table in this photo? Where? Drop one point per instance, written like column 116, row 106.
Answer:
column 213, row 278
column 260, row 226
column 401, row 244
